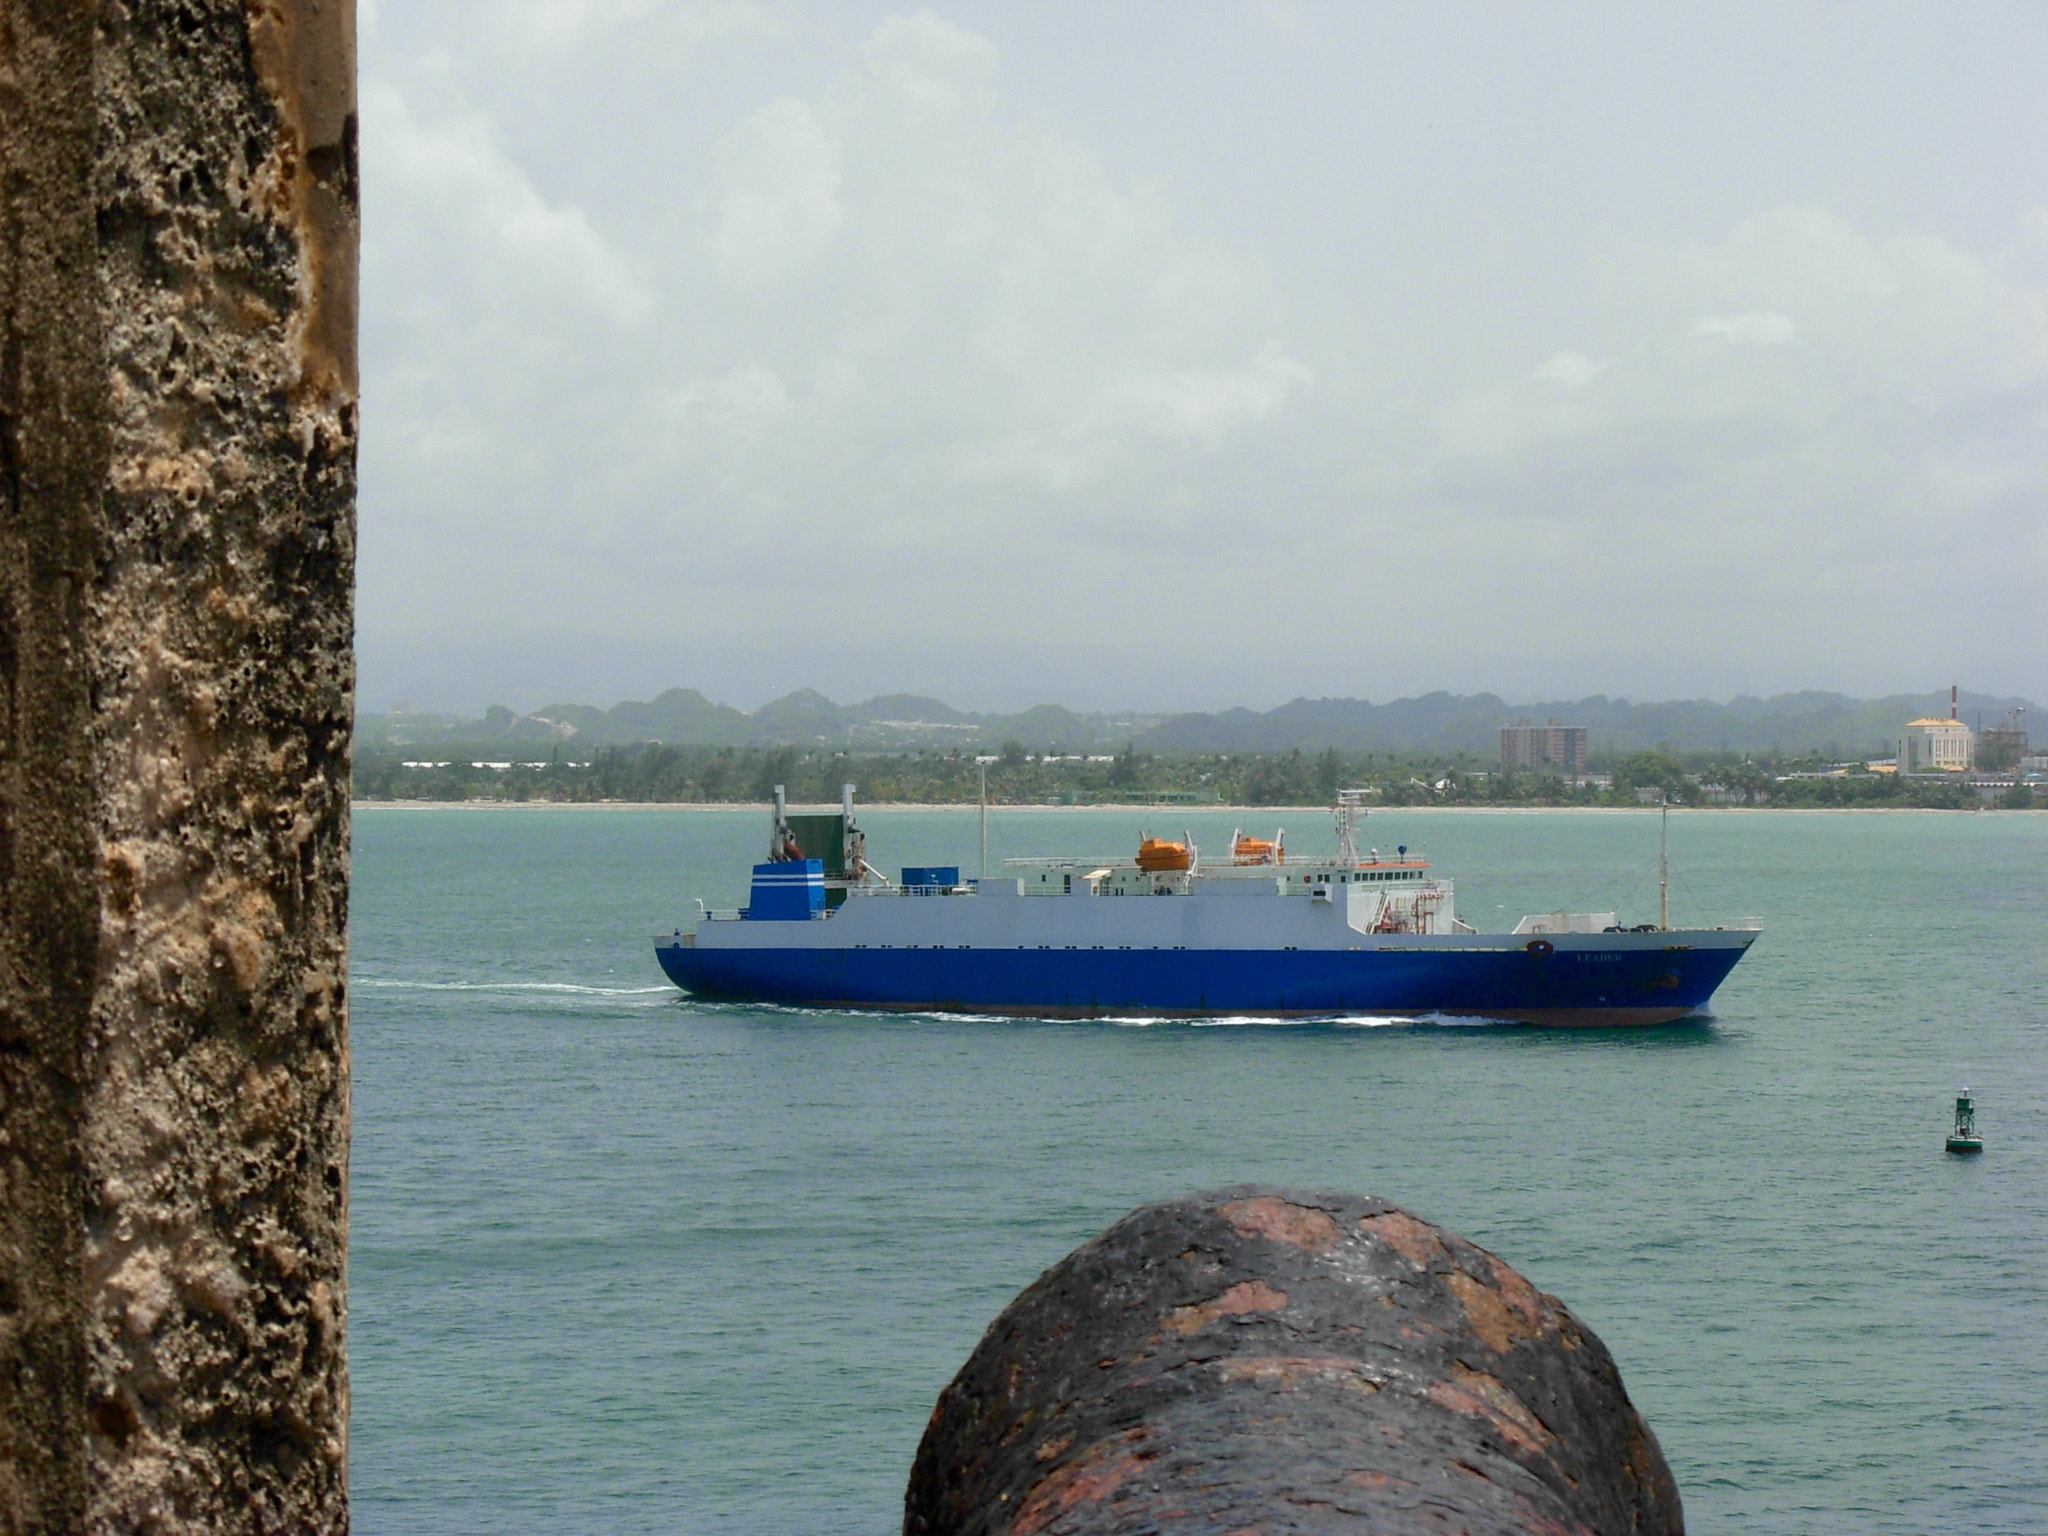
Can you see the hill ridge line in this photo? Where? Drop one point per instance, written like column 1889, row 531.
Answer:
column 1437, row 722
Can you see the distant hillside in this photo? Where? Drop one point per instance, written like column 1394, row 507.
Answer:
column 1449, row 723
column 684, row 717
column 1437, row 723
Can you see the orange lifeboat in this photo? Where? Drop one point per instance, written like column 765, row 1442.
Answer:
column 1251, row 850
column 1155, row 856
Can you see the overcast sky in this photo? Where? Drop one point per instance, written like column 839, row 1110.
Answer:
column 1191, row 355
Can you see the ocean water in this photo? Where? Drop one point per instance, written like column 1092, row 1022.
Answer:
column 624, row 1263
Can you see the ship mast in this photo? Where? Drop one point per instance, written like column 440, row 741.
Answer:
column 1350, row 811
column 1664, row 871
column 984, row 819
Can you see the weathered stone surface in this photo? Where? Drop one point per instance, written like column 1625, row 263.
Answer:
column 177, row 471
column 1266, row 1360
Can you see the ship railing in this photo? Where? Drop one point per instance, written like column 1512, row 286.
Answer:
column 905, row 890
column 1068, row 863
column 1313, row 861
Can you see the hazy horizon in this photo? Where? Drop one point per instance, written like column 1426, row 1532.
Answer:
column 1971, row 698
column 1215, row 355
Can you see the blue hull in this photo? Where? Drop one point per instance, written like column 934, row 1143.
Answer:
column 1579, row 986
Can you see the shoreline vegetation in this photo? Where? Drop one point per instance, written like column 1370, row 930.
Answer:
column 1793, row 751
column 653, row 774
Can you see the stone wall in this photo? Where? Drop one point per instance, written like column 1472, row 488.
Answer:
column 177, row 469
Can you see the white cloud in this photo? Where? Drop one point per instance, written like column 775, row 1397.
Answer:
column 1718, row 479
column 741, row 404
column 927, row 71
column 1574, row 370
column 1752, row 329
column 1282, row 16
column 943, row 271
column 557, row 24
column 1203, row 404
column 1908, row 326
column 774, row 200
column 909, row 322
column 1912, row 314
column 447, row 205
column 856, row 297
column 489, row 312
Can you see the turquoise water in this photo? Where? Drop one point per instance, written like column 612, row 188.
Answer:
column 622, row 1263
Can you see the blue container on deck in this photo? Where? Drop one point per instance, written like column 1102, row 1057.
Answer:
column 931, row 878
column 790, row 892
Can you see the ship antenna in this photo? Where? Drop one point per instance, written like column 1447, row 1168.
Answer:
column 1664, row 871
column 984, row 819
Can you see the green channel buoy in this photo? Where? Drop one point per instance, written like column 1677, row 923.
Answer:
column 1964, row 1137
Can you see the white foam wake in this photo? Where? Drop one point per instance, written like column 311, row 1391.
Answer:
column 391, row 984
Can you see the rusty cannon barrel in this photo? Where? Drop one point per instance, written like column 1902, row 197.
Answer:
column 1257, row 1359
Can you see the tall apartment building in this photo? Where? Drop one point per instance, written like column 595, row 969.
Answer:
column 1559, row 747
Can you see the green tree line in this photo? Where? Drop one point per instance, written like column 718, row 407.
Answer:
column 673, row 774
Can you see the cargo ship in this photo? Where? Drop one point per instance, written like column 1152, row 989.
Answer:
column 1172, row 932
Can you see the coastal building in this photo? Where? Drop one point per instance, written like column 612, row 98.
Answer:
column 2003, row 745
column 1935, row 745
column 1554, row 746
